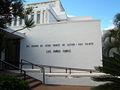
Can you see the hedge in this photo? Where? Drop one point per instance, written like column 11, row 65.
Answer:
column 9, row 82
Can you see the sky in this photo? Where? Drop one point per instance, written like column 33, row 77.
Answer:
column 105, row 10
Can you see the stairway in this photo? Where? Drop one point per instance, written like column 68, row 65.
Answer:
column 33, row 83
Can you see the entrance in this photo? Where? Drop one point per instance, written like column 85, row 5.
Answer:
column 12, row 52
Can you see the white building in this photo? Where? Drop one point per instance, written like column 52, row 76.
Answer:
column 47, row 12
column 57, row 40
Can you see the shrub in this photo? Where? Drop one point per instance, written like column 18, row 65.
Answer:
column 8, row 82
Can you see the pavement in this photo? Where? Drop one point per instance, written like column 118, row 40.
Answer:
column 55, row 87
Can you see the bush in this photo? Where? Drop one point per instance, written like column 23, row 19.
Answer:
column 8, row 82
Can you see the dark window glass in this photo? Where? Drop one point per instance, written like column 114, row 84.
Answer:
column 20, row 21
column 15, row 21
column 10, row 23
column 32, row 17
column 38, row 17
column 26, row 18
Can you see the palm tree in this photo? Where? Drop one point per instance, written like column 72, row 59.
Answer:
column 111, row 39
column 111, row 59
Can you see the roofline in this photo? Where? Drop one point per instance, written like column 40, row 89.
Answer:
column 40, row 2
column 95, row 20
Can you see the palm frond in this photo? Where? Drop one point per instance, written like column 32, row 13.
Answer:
column 29, row 23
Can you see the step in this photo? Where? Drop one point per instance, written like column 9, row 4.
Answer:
column 35, row 84
column 31, row 80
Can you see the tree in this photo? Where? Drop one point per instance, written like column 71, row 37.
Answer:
column 111, row 63
column 111, row 40
column 9, row 9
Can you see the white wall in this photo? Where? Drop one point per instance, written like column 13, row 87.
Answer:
column 80, row 18
column 81, row 56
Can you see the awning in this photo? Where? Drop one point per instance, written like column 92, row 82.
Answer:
column 15, row 35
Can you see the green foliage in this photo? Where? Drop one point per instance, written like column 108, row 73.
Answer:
column 8, row 10
column 8, row 82
column 111, row 66
column 112, row 38
column 12, row 8
column 111, row 59
column 29, row 23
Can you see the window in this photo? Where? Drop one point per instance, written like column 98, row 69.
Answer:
column 15, row 21
column 38, row 17
column 10, row 23
column 32, row 17
column 20, row 21
column 26, row 18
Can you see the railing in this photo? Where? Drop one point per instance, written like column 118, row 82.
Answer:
column 52, row 67
column 3, row 64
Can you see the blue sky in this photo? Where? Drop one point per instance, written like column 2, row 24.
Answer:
column 105, row 10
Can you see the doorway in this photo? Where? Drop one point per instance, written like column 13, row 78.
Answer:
column 12, row 52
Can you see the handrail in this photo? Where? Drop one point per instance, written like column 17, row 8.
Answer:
column 14, row 68
column 50, row 67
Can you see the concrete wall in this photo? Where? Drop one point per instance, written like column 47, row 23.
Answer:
column 81, row 81
column 68, row 44
column 80, row 18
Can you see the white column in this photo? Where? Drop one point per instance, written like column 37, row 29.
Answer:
column 17, row 22
column 35, row 17
column 12, row 23
column 46, row 16
column 41, row 16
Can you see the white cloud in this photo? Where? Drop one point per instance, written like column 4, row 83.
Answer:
column 110, row 27
column 70, row 15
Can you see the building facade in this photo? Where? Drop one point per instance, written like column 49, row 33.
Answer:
column 56, row 39
column 44, row 12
